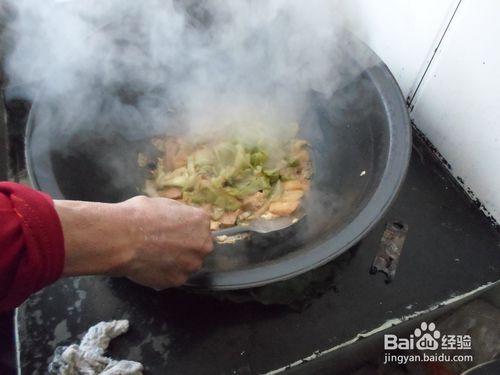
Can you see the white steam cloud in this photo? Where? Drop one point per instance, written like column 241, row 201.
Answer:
column 213, row 63
column 98, row 68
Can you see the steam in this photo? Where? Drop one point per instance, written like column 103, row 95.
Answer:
column 138, row 68
column 181, row 64
column 150, row 67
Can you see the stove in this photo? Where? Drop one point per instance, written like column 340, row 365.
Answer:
column 326, row 319
column 330, row 315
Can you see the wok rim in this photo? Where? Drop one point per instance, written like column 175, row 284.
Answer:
column 395, row 171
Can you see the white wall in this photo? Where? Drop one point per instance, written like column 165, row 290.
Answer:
column 458, row 104
column 403, row 33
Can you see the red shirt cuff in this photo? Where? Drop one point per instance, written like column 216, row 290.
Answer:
column 41, row 258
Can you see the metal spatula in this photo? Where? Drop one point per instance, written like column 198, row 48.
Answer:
column 262, row 226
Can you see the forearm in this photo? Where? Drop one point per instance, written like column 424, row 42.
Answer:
column 95, row 237
column 156, row 242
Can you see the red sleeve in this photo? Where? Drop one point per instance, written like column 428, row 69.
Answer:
column 31, row 243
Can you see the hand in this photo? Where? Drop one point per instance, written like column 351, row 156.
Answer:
column 170, row 241
column 156, row 242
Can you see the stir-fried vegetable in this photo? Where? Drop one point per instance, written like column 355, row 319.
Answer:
column 233, row 181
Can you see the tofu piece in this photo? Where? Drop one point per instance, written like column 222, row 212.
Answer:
column 229, row 218
column 255, row 201
column 214, row 225
column 283, row 208
column 171, row 193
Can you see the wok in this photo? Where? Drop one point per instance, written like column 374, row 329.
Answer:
column 360, row 144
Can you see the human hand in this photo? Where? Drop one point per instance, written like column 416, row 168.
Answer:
column 169, row 241
column 156, row 242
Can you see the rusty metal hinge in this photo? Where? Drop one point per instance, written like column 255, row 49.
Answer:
column 387, row 257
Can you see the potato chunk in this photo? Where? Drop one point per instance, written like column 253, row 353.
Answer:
column 214, row 225
column 292, row 195
column 293, row 185
column 172, row 193
column 283, row 208
column 229, row 218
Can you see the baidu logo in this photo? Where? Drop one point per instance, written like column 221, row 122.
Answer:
column 427, row 344
column 427, row 336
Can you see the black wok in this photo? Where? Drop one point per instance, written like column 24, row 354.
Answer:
column 361, row 143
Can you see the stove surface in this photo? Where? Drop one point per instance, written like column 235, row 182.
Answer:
column 451, row 252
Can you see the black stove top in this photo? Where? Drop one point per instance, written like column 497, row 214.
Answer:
column 451, row 251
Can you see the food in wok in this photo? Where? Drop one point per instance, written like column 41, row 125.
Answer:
column 232, row 180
